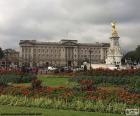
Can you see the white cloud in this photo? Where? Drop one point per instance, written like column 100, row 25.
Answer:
column 85, row 20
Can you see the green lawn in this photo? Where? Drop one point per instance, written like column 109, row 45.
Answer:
column 53, row 81
column 25, row 84
column 49, row 112
column 50, row 81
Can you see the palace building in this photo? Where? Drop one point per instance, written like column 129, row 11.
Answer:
column 62, row 53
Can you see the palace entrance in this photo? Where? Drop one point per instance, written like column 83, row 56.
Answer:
column 69, row 55
column 69, row 63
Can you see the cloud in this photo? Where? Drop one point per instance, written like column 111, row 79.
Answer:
column 85, row 20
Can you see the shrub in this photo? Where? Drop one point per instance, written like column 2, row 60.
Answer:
column 137, row 84
column 11, row 90
column 108, row 72
column 86, row 85
column 132, row 81
column 13, row 78
column 3, row 82
column 116, row 108
column 36, row 83
column 75, row 104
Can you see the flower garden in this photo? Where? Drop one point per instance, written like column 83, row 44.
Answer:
column 100, row 90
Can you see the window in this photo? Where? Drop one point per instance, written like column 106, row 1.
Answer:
column 22, row 50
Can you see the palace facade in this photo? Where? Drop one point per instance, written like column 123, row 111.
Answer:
column 62, row 53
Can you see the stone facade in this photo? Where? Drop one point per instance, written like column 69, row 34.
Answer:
column 62, row 53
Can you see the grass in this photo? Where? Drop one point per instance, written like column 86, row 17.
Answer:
column 53, row 80
column 20, row 84
column 49, row 81
column 49, row 112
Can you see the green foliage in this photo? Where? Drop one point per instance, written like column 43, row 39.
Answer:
column 1, row 54
column 137, row 84
column 99, row 106
column 11, row 91
column 134, row 86
column 50, row 112
column 13, row 78
column 116, row 107
column 76, row 104
column 134, row 55
column 36, row 83
column 131, row 83
column 108, row 79
column 3, row 81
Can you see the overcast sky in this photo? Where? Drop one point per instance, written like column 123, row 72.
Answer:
column 84, row 20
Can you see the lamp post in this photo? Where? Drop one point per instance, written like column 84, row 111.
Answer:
column 90, row 51
column 6, row 58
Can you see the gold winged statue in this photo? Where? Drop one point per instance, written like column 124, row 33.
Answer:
column 114, row 31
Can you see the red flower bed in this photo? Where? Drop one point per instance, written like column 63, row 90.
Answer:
column 86, row 85
column 108, row 72
column 118, row 95
column 25, row 92
column 129, row 98
column 99, row 94
column 10, row 71
column 104, row 94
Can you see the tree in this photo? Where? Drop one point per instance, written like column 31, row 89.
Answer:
column 134, row 56
column 1, row 54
